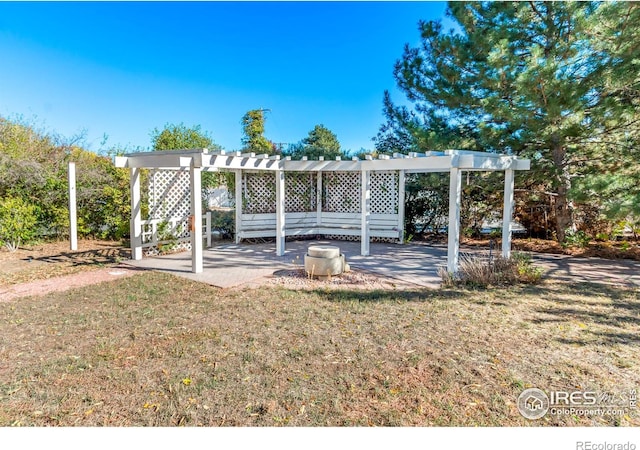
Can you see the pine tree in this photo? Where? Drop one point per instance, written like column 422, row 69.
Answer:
column 553, row 81
column 320, row 142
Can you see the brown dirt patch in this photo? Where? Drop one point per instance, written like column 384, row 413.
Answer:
column 54, row 259
column 607, row 250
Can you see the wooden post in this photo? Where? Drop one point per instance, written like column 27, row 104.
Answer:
column 401, row 194
column 73, row 215
column 507, row 214
column 196, row 213
column 280, row 218
column 455, row 193
column 135, row 228
column 208, row 229
column 238, row 205
column 365, row 208
column 319, row 199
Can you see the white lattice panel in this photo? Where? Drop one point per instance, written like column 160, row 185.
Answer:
column 342, row 237
column 169, row 194
column 384, row 192
column 341, row 192
column 300, row 188
column 259, row 192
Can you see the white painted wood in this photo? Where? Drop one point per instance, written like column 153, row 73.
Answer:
column 452, row 161
column 455, row 192
column 428, row 161
column 196, row 217
column 280, row 217
column 401, row 197
column 238, row 178
column 73, row 215
column 365, row 205
column 208, row 228
column 135, row 224
column 507, row 214
column 318, row 198
column 150, row 238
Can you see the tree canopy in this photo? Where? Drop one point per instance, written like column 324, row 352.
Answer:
column 320, row 142
column 553, row 81
column 33, row 186
column 181, row 137
column 253, row 127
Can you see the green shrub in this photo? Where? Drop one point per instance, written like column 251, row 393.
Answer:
column 17, row 222
column 576, row 239
column 495, row 234
column 224, row 222
column 167, row 240
column 527, row 271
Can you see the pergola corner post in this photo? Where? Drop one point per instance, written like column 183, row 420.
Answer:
column 319, row 199
column 135, row 224
column 455, row 194
column 73, row 215
column 238, row 177
column 507, row 214
column 195, row 179
column 280, row 211
column 401, row 197
column 365, row 208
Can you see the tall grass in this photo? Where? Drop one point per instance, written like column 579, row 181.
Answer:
column 486, row 271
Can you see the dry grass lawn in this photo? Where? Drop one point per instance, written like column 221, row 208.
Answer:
column 163, row 351
column 54, row 259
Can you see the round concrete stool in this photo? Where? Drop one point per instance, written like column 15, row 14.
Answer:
column 323, row 261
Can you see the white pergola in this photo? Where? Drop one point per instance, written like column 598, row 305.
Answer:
column 195, row 161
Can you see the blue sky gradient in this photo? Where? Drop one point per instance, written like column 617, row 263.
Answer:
column 122, row 69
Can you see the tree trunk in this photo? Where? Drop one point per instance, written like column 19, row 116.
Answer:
column 564, row 213
column 563, row 210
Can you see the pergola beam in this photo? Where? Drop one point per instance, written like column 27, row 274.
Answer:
column 414, row 162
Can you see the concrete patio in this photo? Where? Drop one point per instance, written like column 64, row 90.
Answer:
column 228, row 265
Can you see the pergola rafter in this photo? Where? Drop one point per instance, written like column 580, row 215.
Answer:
column 195, row 161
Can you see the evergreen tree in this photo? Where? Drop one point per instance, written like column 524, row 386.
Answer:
column 320, row 142
column 253, row 129
column 553, row 81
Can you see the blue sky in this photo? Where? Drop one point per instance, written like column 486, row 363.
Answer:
column 122, row 69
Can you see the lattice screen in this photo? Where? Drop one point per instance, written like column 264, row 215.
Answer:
column 169, row 194
column 175, row 232
column 259, row 192
column 341, row 192
column 300, row 188
column 384, row 192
